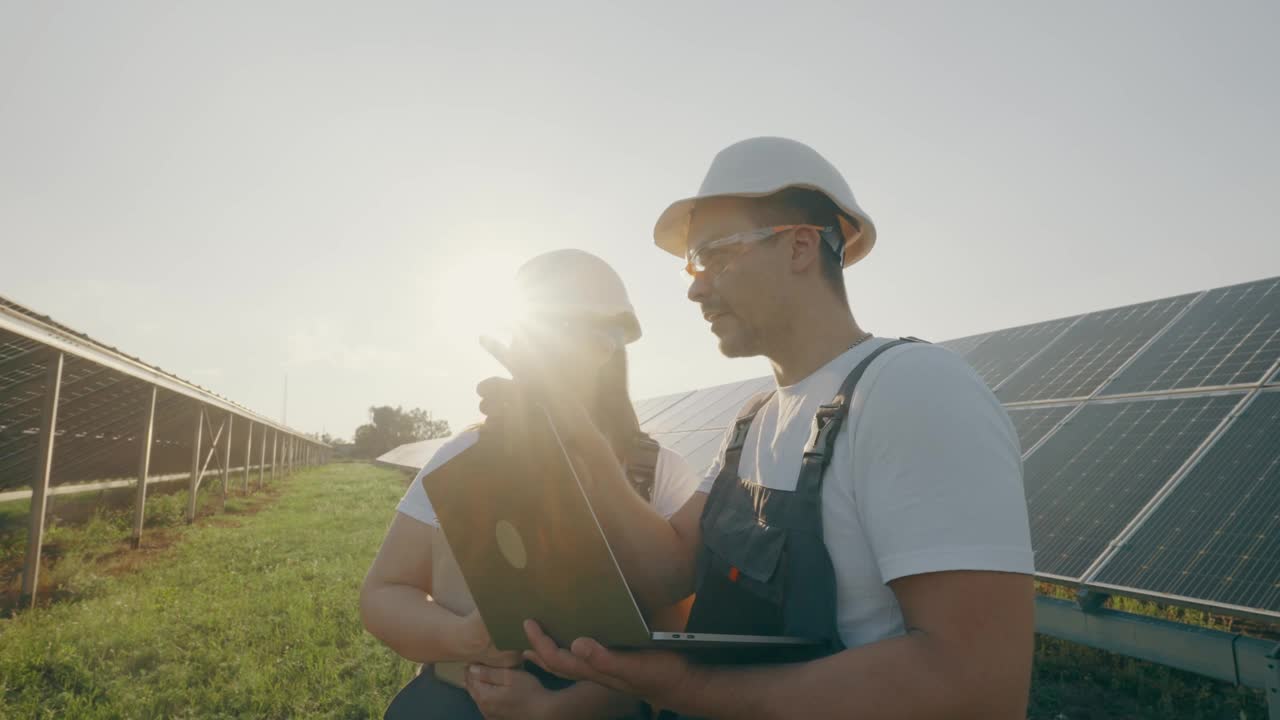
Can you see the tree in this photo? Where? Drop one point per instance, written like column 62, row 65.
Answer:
column 390, row 427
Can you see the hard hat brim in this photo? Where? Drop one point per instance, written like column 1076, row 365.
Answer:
column 671, row 233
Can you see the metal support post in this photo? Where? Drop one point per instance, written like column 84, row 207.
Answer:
column 40, row 483
column 227, row 456
column 226, row 459
column 262, row 457
column 248, row 455
column 146, row 438
column 275, row 449
column 193, row 485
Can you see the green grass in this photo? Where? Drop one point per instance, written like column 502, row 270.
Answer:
column 252, row 613
column 246, row 614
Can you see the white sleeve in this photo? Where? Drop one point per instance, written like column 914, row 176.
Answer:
column 673, row 482
column 415, row 502
column 938, row 470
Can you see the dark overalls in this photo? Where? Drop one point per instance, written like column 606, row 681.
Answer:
column 763, row 568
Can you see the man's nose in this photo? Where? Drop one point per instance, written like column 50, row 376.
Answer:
column 700, row 288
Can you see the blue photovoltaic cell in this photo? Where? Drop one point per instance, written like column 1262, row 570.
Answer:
column 1034, row 423
column 1230, row 336
column 1004, row 351
column 1090, row 352
column 1091, row 477
column 1216, row 537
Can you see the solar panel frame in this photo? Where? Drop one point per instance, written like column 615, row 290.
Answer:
column 1093, row 350
column 1214, row 491
column 1036, row 423
column 1068, row 473
column 1228, row 336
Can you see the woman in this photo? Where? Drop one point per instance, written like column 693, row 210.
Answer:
column 577, row 323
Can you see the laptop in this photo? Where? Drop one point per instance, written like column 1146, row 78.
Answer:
column 530, row 547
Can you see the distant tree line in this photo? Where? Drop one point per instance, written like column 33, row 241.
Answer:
column 390, row 427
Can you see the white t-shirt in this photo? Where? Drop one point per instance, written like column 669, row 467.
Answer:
column 926, row 476
column 673, row 481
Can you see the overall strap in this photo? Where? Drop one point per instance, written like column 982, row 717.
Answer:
column 828, row 421
column 741, row 426
column 642, row 465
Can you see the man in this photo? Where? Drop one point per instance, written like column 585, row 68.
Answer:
column 873, row 501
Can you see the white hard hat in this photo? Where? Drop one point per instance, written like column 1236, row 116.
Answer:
column 762, row 166
column 575, row 282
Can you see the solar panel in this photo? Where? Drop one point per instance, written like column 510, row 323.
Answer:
column 1092, row 477
column 721, row 412
column 1216, row 537
column 1006, row 350
column 965, row 345
column 678, row 414
column 647, row 409
column 1034, row 423
column 698, row 447
column 1230, row 336
column 1090, row 352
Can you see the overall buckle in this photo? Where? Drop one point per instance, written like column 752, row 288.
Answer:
column 822, row 428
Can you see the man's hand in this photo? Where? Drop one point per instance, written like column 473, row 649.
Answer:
column 508, row 694
column 662, row 678
column 475, row 646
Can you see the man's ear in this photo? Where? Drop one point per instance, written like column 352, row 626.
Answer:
column 806, row 248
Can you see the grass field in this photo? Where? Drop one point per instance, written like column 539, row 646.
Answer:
column 252, row 613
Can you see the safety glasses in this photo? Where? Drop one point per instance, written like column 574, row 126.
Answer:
column 710, row 256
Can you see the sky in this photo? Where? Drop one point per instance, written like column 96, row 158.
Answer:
column 335, row 192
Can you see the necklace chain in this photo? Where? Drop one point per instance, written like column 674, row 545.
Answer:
column 865, row 337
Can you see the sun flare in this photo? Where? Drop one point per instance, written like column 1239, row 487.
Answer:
column 475, row 295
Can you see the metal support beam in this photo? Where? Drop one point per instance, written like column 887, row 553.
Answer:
column 194, row 484
column 1229, row 657
column 275, row 451
column 1273, row 684
column 40, row 483
column 226, row 455
column 144, row 469
column 248, row 455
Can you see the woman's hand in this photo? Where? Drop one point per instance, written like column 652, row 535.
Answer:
column 509, row 694
column 532, row 380
column 475, row 646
